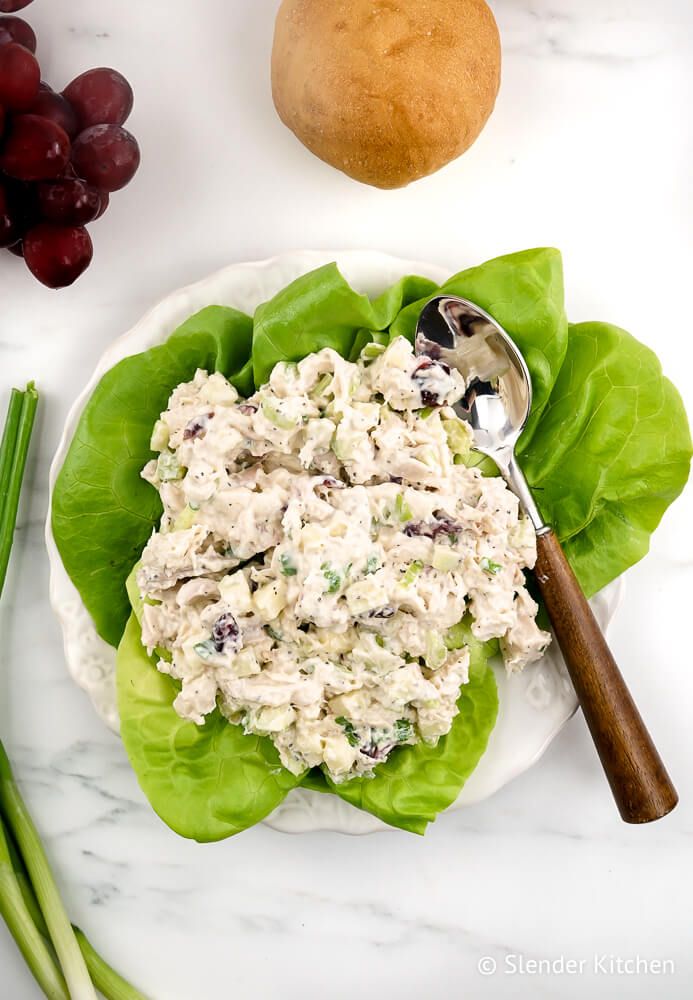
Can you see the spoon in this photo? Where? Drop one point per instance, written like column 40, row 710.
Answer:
column 496, row 406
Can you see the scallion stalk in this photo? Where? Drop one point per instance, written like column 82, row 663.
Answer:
column 30, row 903
column 106, row 979
column 19, row 919
column 12, row 465
column 27, row 839
column 9, row 439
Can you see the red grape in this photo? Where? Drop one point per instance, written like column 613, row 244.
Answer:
column 105, row 199
column 2, row 120
column 69, row 201
column 35, row 149
column 107, row 156
column 8, row 224
column 23, row 201
column 17, row 248
column 56, row 109
column 8, row 6
column 14, row 29
column 20, row 77
column 100, row 97
column 57, row 255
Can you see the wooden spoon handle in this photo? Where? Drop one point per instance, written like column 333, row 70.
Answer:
column 639, row 781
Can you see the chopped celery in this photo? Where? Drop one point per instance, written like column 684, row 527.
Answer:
column 168, row 468
column 204, row 649
column 322, row 385
column 412, row 572
column 185, row 519
column 436, row 650
column 402, row 509
column 160, row 436
column 372, row 351
column 276, row 417
column 489, row 566
column 459, row 436
column 444, row 558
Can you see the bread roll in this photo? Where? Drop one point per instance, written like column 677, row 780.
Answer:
column 385, row 90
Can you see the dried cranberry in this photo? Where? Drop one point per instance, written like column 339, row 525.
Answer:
column 431, row 529
column 387, row 611
column 375, row 752
column 224, row 629
column 196, row 426
column 420, row 375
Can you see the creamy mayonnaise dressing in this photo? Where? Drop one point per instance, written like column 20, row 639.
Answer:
column 317, row 541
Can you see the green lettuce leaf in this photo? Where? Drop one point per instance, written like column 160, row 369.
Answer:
column 416, row 783
column 103, row 512
column 319, row 310
column 205, row 782
column 611, row 453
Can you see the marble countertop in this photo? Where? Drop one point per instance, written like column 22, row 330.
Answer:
column 589, row 150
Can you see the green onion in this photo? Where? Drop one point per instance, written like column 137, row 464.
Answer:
column 106, row 979
column 403, row 730
column 372, row 565
column 352, row 736
column 23, row 928
column 333, row 578
column 103, row 976
column 9, row 438
column 29, row 900
column 13, row 453
column 489, row 566
column 288, row 568
column 24, row 832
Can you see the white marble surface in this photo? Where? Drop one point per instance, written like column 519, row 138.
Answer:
column 589, row 149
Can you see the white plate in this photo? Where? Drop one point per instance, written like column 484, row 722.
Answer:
column 534, row 705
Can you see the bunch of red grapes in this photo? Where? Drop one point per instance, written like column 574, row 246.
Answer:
column 61, row 155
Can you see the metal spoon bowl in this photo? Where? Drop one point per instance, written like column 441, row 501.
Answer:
column 498, row 397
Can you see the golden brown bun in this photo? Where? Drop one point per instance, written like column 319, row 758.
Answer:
column 385, row 90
